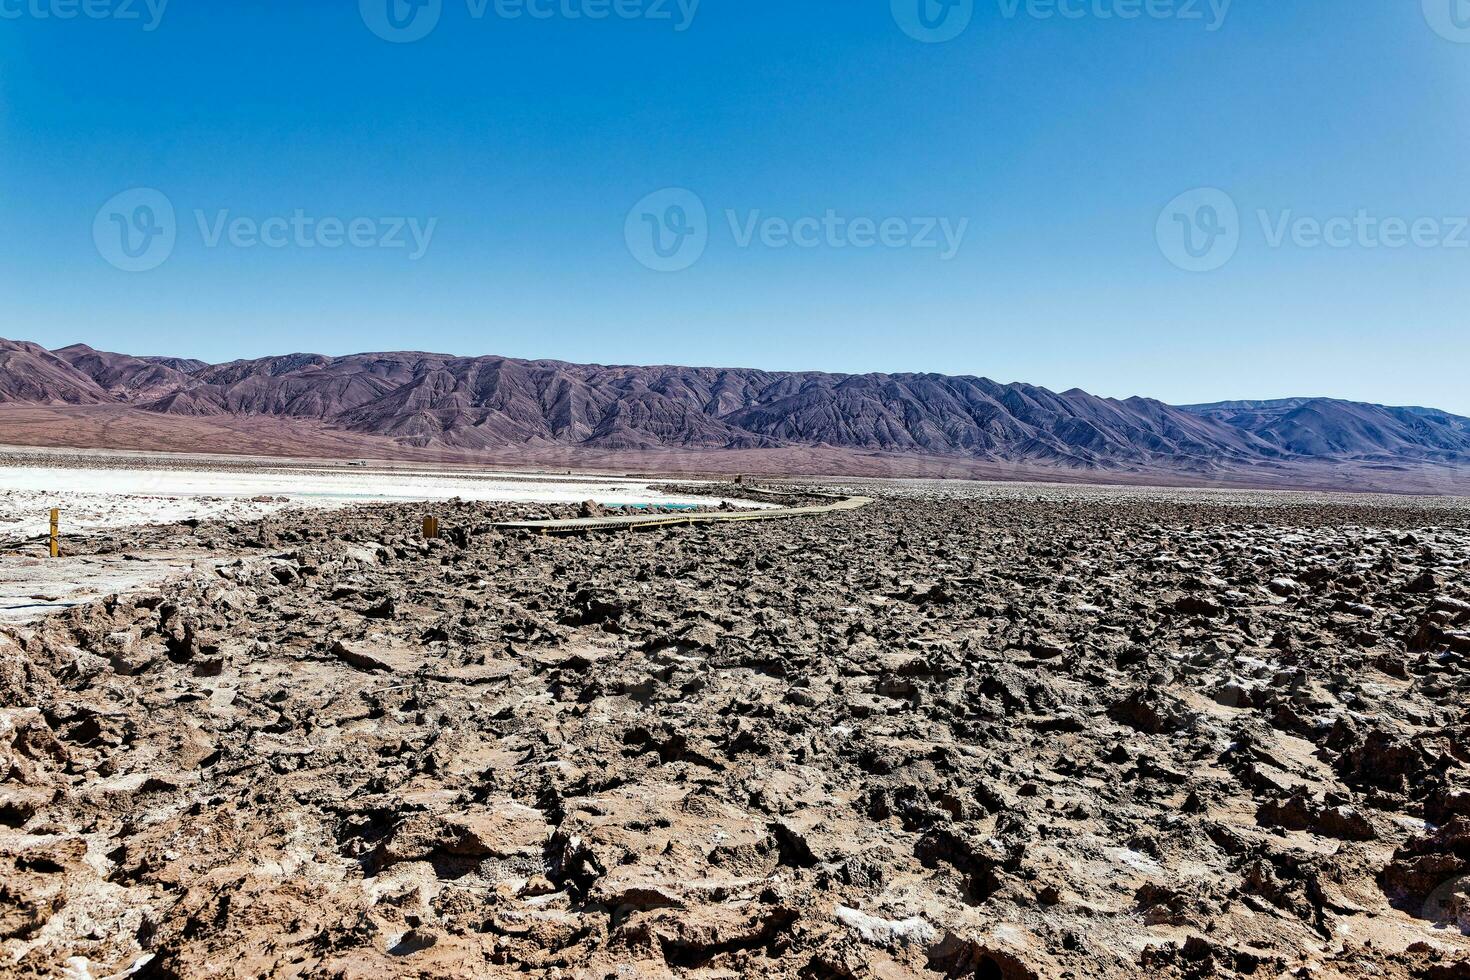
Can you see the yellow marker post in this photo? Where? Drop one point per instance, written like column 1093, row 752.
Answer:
column 431, row 527
column 55, row 532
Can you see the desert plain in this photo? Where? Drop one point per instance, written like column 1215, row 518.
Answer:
column 987, row 730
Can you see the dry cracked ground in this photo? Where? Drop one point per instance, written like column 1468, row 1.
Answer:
column 1018, row 734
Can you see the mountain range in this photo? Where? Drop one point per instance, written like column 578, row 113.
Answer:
column 476, row 404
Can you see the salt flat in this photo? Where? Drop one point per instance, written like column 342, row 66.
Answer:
column 119, row 490
column 102, row 491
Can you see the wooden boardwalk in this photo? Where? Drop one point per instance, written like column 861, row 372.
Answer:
column 638, row 522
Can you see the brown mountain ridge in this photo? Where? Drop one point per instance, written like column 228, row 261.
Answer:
column 424, row 400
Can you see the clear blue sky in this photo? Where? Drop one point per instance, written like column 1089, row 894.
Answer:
column 529, row 140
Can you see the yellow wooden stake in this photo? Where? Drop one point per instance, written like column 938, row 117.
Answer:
column 55, row 533
column 431, row 527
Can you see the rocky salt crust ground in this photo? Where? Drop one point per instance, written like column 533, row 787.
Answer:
column 972, row 733
column 99, row 492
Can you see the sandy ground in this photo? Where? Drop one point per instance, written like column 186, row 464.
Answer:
column 105, row 491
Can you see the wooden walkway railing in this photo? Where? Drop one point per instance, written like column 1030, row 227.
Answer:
column 636, row 522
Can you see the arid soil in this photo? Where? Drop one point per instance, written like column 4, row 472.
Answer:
column 1024, row 734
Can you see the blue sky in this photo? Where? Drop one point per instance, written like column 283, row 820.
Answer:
column 1051, row 147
